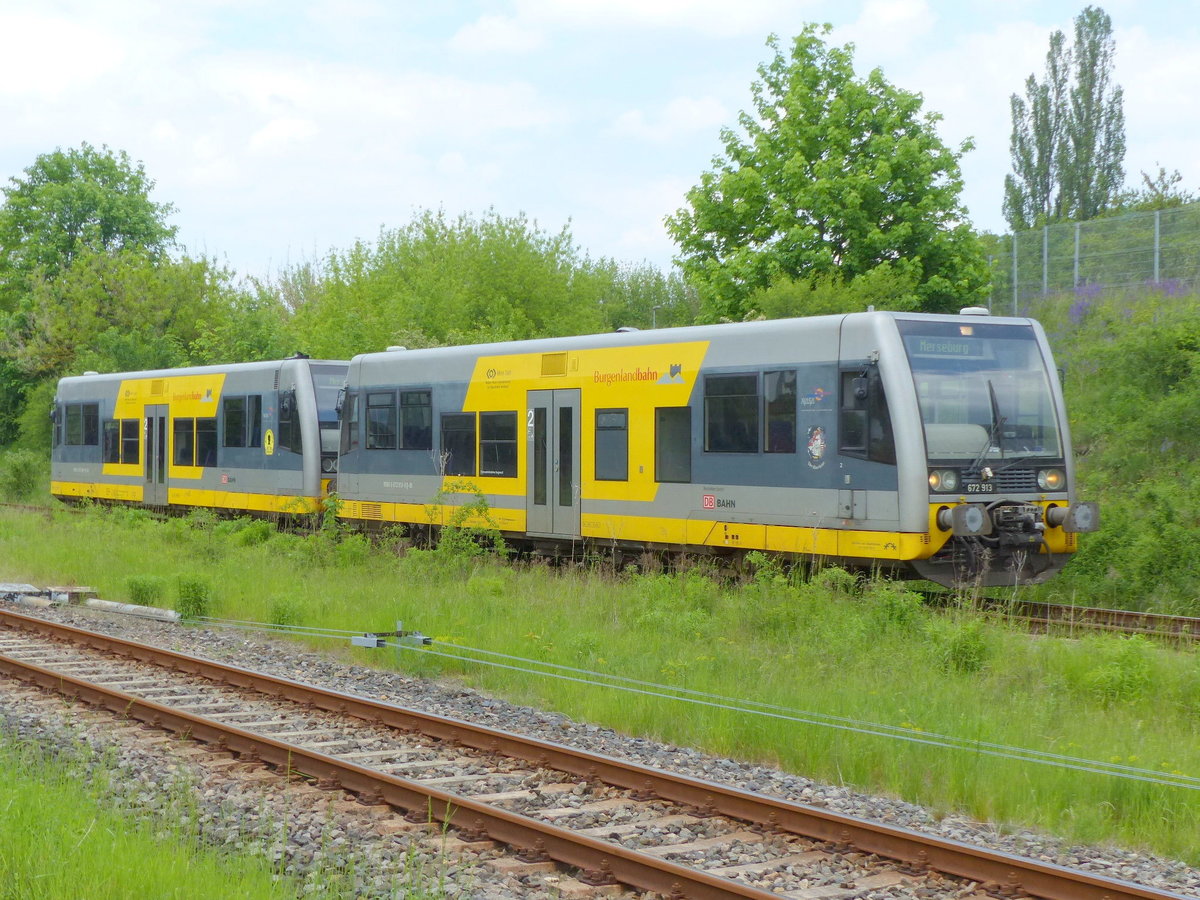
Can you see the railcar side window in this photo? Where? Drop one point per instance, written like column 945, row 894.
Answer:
column 83, row 424
column 112, row 441
column 74, row 425
column 731, row 413
column 673, row 444
column 130, row 433
column 206, row 442
column 381, row 420
column 865, row 423
column 195, row 442
column 458, row 443
column 498, row 444
column 416, row 420
column 254, row 420
column 779, row 389
column 350, row 437
column 612, row 445
column 233, row 411
column 185, row 442
column 120, row 441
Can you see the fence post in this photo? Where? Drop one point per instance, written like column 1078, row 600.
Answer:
column 1157, row 243
column 1075, row 282
column 1014, row 277
column 1045, row 260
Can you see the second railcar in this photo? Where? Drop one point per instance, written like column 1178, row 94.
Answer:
column 251, row 437
column 935, row 445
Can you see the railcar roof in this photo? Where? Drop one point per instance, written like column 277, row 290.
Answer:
column 264, row 366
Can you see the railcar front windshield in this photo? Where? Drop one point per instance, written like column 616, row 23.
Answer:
column 327, row 382
column 983, row 388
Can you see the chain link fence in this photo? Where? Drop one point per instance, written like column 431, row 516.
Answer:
column 1159, row 248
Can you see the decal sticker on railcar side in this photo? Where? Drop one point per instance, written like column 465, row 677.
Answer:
column 816, row 445
column 269, row 442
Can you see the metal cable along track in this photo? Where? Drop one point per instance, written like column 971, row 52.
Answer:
column 600, row 861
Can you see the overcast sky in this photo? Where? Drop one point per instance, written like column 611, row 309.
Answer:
column 281, row 130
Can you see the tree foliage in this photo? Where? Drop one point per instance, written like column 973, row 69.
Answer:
column 830, row 175
column 77, row 201
column 440, row 281
column 1068, row 137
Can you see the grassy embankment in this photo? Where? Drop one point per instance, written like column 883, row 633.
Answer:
column 868, row 651
column 60, row 837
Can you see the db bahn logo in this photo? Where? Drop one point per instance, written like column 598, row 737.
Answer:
column 710, row 501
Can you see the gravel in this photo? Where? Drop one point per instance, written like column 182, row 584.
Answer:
column 319, row 839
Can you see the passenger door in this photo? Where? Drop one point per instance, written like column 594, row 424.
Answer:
column 552, row 436
column 154, row 450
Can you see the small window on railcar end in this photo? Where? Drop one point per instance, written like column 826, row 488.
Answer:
column 865, row 423
column 731, row 413
column 673, row 444
column 458, row 444
column 779, row 395
column 350, row 422
column 290, row 437
column 612, row 445
column 498, row 444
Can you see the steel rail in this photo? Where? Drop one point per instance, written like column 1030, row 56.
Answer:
column 1125, row 621
column 1003, row 871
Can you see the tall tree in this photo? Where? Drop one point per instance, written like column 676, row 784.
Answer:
column 1096, row 127
column 74, row 201
column 1039, row 143
column 1068, row 135
column 830, row 175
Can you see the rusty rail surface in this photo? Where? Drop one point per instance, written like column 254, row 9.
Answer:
column 1094, row 618
column 600, row 860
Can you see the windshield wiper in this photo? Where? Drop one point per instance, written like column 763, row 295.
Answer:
column 998, row 423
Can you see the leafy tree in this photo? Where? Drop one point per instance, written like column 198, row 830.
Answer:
column 114, row 312
column 1039, row 144
column 830, row 175
column 1068, row 137
column 442, row 281
column 1161, row 191
column 72, row 202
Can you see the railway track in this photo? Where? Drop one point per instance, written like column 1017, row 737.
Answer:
column 1046, row 616
column 607, row 820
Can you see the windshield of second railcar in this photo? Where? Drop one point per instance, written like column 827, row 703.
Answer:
column 328, row 381
column 984, row 389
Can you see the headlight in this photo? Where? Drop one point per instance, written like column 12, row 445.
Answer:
column 943, row 480
column 1051, row 479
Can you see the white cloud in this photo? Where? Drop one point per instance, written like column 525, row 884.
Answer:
column 281, row 135
column 48, row 56
column 681, row 117
column 718, row 18
column 887, row 29
column 496, row 34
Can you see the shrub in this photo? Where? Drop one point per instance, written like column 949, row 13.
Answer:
column 20, row 474
column 960, row 646
column 146, row 590
column 258, row 531
column 195, row 596
column 286, row 611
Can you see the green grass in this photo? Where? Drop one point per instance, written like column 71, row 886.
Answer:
column 60, row 838
column 836, row 645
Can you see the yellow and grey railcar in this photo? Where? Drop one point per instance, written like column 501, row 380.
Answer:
column 253, row 437
column 933, row 445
